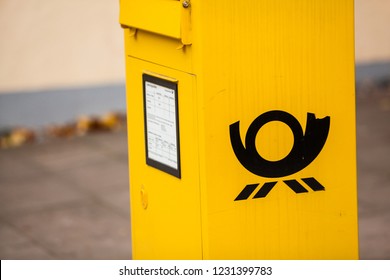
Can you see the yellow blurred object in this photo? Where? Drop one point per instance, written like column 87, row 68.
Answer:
column 62, row 131
column 17, row 137
column 83, row 124
column 107, row 122
column 111, row 121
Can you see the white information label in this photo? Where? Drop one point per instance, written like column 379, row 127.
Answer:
column 161, row 124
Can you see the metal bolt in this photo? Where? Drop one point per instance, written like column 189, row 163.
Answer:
column 186, row 4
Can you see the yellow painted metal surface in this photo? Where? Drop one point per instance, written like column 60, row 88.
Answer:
column 285, row 71
column 165, row 211
column 164, row 17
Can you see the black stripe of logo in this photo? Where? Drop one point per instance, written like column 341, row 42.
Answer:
column 246, row 192
column 295, row 186
column 313, row 184
column 265, row 189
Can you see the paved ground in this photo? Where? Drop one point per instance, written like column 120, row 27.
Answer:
column 68, row 199
column 373, row 143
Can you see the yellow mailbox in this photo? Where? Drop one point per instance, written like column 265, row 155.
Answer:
column 241, row 128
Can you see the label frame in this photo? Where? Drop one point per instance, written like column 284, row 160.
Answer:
column 173, row 85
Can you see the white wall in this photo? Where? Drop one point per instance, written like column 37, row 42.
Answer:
column 372, row 31
column 59, row 43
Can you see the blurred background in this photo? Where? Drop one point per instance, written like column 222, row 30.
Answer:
column 63, row 144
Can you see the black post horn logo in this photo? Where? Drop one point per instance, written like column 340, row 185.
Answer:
column 305, row 149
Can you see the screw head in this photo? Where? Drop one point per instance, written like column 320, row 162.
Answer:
column 186, row 4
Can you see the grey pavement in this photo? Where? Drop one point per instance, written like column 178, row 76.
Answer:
column 66, row 199
column 69, row 199
column 373, row 155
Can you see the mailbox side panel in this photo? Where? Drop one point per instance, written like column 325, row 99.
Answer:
column 286, row 68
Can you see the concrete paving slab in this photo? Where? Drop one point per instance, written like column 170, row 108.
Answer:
column 41, row 193
column 111, row 143
column 374, row 237
column 67, row 155
column 374, row 195
column 65, row 199
column 83, row 231
column 373, row 154
column 14, row 245
column 118, row 201
column 11, row 166
column 112, row 176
